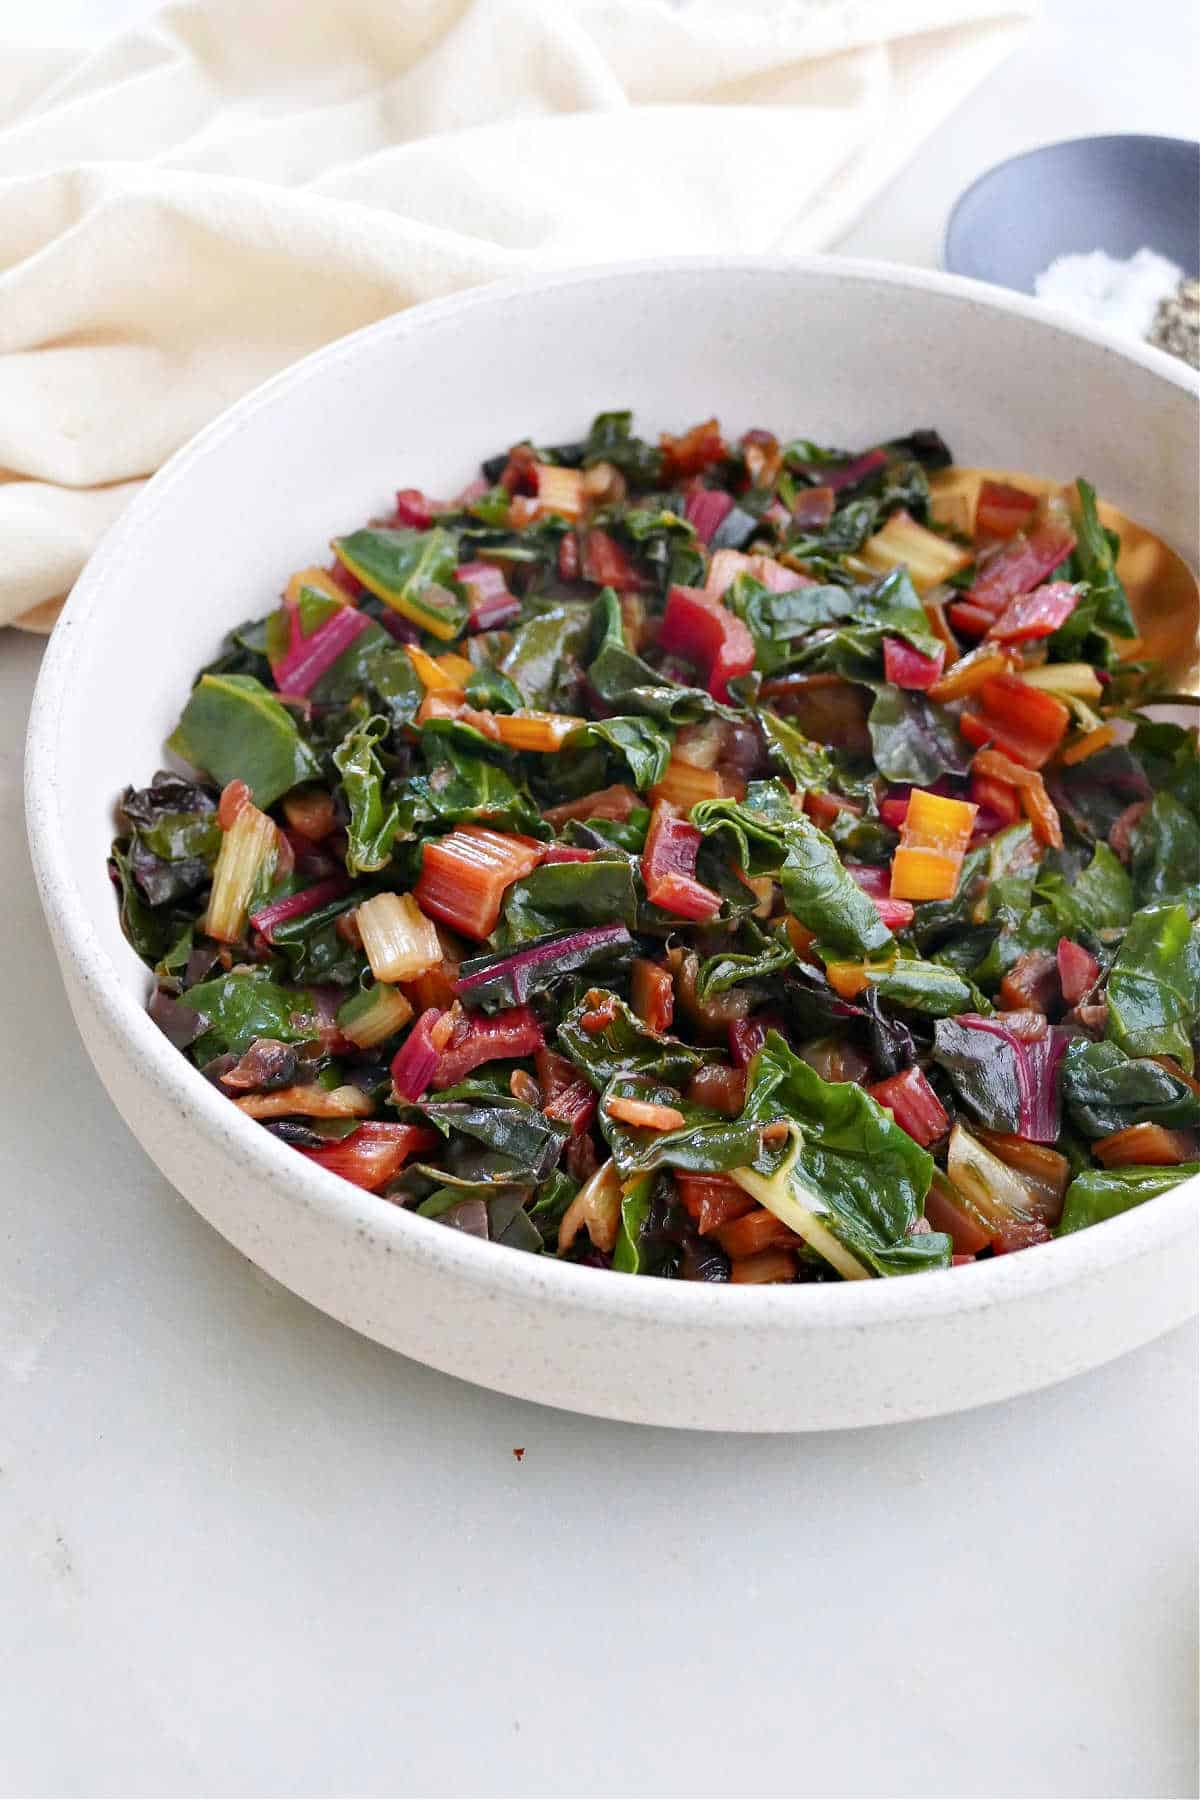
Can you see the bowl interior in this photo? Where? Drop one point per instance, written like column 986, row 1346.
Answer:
column 1115, row 194
column 839, row 357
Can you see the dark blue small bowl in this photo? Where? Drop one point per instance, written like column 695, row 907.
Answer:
column 1115, row 194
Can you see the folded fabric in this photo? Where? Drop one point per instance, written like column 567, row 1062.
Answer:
column 206, row 198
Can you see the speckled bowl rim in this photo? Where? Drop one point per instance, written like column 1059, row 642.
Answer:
column 344, row 1208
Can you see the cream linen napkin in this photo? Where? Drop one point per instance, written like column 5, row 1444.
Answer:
column 212, row 195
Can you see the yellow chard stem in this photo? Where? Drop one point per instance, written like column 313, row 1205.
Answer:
column 777, row 1194
column 246, row 849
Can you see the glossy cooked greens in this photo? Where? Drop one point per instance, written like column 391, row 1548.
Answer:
column 706, row 859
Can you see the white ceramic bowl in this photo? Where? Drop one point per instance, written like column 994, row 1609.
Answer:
column 848, row 353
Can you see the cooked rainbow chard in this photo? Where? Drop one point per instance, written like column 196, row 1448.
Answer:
column 696, row 859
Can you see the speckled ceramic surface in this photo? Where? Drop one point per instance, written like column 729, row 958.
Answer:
column 844, row 352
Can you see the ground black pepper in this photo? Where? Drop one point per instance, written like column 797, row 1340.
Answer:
column 1176, row 327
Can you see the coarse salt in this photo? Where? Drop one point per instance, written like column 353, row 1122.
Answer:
column 1121, row 294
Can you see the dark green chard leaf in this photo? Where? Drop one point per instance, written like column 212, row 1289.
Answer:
column 715, row 870
column 150, row 930
column 490, row 536
column 372, row 828
column 932, row 988
column 982, row 1068
column 1094, row 793
column 905, row 484
column 495, row 1210
column 163, row 877
column 1154, row 986
column 916, row 1255
column 1009, row 898
column 548, row 1210
column 924, row 446
column 778, row 622
column 888, row 608
column 394, row 684
column 245, row 1005
column 1100, row 897
column 1170, row 756
column 808, row 764
column 854, row 775
column 172, row 966
column 509, row 1223
column 1101, row 1194
column 492, row 691
column 643, row 747
column 771, row 802
column 601, row 892
column 625, row 1046
column 312, row 950
column 707, row 1143
column 471, row 1167
column 753, row 955
column 611, row 440
column 863, row 837
column 411, row 570
column 965, row 952
column 753, row 831
column 799, row 452
column 995, row 899
column 488, row 508
column 1098, row 566
column 603, row 834
column 1080, row 637
column 1107, row 1091
column 742, row 522
column 893, row 607
column 818, row 892
column 665, row 544
column 531, row 1143
column 182, row 837
column 438, row 1189
column 1166, row 853
column 321, row 957
column 1013, row 851
column 168, row 797
column 624, row 682
column 850, row 1168
column 484, row 1085
column 1038, row 930
column 234, row 729
column 660, row 513
column 243, row 652
column 813, row 1010
column 913, row 739
column 546, row 657
column 846, row 532
column 461, row 789
column 633, row 1255
column 435, row 733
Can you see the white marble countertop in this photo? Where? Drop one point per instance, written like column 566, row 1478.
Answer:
column 245, row 1552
